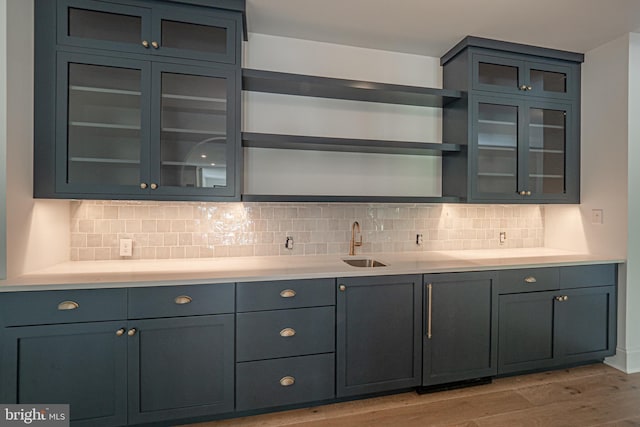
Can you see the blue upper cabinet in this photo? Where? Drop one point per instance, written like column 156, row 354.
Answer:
column 520, row 123
column 137, row 100
column 156, row 29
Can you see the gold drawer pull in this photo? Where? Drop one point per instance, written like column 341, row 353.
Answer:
column 287, row 381
column 183, row 299
column 287, row 332
column 68, row 305
column 288, row 293
column 530, row 279
column 132, row 332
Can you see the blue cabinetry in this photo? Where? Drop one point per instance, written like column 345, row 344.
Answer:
column 137, row 100
column 520, row 123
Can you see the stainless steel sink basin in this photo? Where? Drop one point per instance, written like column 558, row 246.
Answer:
column 364, row 262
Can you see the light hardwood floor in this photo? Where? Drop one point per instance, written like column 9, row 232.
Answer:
column 594, row 395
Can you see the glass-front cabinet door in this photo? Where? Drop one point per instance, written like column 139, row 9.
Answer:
column 103, row 117
column 497, row 136
column 193, row 149
column 157, row 30
column 548, row 137
column 521, row 150
column 507, row 75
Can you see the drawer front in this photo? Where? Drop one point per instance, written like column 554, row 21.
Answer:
column 283, row 333
column 271, row 383
column 277, row 295
column 69, row 306
column 582, row 276
column 173, row 301
column 528, row 280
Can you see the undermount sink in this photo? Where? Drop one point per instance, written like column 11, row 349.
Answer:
column 364, row 262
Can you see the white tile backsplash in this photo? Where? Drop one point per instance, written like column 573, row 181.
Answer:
column 163, row 230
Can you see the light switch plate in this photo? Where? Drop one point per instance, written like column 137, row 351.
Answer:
column 126, row 247
column 597, row 216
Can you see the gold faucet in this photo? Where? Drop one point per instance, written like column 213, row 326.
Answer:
column 353, row 243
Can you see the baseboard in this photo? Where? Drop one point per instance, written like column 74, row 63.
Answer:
column 627, row 361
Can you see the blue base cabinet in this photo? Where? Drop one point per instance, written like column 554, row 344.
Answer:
column 379, row 328
column 553, row 317
column 175, row 362
column 460, row 328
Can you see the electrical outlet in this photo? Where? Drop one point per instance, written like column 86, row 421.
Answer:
column 289, row 243
column 126, row 247
column 597, row 216
column 503, row 237
column 419, row 239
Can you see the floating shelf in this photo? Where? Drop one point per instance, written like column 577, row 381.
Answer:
column 300, row 142
column 347, row 199
column 325, row 87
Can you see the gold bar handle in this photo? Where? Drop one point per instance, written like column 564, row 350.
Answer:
column 287, row 381
column 68, row 305
column 430, row 295
column 288, row 293
column 183, row 299
column 287, row 332
column 530, row 279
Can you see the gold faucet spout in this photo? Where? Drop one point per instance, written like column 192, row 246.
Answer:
column 353, row 243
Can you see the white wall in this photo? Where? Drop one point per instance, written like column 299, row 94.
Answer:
column 340, row 173
column 3, row 139
column 632, row 320
column 37, row 231
column 610, row 181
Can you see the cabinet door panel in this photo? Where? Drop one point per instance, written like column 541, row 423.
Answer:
column 378, row 334
column 195, row 142
column 550, row 80
column 181, row 367
column 526, row 335
column 586, row 324
column 194, row 35
column 83, row 365
column 459, row 338
column 103, row 25
column 497, row 74
column 497, row 136
column 550, row 145
column 103, row 109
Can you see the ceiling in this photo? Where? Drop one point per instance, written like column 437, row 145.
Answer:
column 431, row 27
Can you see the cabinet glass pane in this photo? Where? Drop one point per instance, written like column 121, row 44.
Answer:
column 91, row 24
column 497, row 75
column 548, row 81
column 104, row 135
column 547, row 142
column 201, row 38
column 193, row 151
column 497, row 148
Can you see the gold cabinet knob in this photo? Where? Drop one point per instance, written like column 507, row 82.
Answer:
column 288, row 293
column 154, row 186
column 558, row 298
column 523, row 193
column 120, row 332
column 287, row 332
column 529, row 88
column 68, row 305
column 132, row 332
column 183, row 299
column 143, row 185
column 530, row 279
column 565, row 298
column 342, row 288
column 523, row 87
column 155, row 44
column 528, row 193
column 287, row 381
column 145, row 43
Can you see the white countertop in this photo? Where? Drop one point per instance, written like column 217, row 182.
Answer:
column 129, row 273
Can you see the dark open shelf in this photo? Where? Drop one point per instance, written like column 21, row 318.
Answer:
column 300, row 142
column 346, row 199
column 325, row 87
